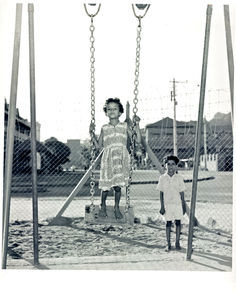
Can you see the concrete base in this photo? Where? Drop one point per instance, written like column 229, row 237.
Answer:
column 92, row 217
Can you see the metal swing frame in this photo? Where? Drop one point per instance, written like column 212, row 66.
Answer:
column 128, row 211
column 91, row 211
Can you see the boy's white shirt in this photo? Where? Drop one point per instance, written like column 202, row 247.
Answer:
column 171, row 186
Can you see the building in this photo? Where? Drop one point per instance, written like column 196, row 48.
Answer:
column 22, row 132
column 159, row 136
column 22, row 126
column 216, row 138
column 75, row 155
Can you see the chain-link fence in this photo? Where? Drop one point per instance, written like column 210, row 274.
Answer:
column 62, row 165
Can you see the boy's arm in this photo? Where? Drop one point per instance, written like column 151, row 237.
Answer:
column 162, row 210
column 183, row 202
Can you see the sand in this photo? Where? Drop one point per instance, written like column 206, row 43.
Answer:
column 77, row 245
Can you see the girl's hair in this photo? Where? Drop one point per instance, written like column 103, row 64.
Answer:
column 113, row 100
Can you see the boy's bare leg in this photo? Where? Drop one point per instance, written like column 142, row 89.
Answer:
column 103, row 211
column 178, row 229
column 168, row 231
column 117, row 212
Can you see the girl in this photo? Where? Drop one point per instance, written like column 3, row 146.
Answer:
column 115, row 162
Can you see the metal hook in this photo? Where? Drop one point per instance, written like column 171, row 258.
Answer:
column 92, row 4
column 141, row 7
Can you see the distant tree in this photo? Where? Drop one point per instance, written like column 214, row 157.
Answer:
column 60, row 155
column 22, row 156
column 53, row 155
column 85, row 153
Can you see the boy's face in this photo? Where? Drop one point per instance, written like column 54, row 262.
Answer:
column 171, row 167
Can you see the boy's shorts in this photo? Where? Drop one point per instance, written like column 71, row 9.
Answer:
column 173, row 212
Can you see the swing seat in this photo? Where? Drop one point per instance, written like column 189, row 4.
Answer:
column 92, row 216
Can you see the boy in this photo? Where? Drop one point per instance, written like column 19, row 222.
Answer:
column 173, row 207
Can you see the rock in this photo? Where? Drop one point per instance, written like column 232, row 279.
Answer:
column 137, row 220
column 109, row 228
column 60, row 221
column 211, row 222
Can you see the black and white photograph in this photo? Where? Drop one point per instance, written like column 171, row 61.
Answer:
column 116, row 145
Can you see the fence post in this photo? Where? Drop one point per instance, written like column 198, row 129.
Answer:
column 33, row 131
column 199, row 131
column 10, row 134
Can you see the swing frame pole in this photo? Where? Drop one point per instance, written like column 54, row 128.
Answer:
column 199, row 130
column 33, row 132
column 230, row 58
column 10, row 134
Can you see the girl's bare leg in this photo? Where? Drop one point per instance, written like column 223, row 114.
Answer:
column 117, row 212
column 103, row 211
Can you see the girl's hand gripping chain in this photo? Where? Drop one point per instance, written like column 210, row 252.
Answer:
column 136, row 120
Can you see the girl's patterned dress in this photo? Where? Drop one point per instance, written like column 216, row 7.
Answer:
column 115, row 163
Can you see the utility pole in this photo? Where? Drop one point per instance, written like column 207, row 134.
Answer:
column 173, row 98
column 205, row 144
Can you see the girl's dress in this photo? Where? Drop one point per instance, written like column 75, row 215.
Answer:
column 115, row 162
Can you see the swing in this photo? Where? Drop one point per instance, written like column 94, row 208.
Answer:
column 92, row 211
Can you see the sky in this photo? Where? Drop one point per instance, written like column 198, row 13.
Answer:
column 172, row 41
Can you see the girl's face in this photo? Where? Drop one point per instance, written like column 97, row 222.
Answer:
column 113, row 110
column 171, row 167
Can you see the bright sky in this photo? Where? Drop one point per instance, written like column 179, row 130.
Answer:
column 171, row 47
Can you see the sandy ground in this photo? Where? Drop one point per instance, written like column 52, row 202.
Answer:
column 77, row 245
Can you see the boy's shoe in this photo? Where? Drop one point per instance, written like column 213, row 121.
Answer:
column 177, row 247
column 168, row 248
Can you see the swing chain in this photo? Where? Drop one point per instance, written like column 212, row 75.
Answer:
column 135, row 110
column 92, row 89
